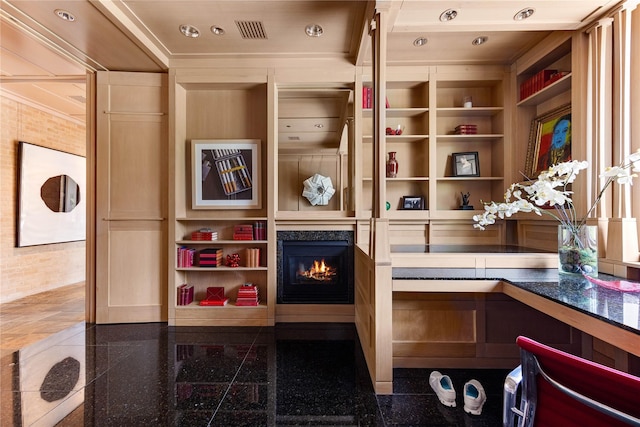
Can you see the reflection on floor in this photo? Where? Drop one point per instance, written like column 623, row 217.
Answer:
column 287, row 375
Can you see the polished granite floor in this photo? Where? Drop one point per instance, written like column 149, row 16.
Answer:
column 155, row 375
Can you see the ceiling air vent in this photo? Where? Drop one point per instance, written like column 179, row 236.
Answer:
column 251, row 30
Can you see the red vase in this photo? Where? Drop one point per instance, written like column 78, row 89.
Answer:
column 392, row 165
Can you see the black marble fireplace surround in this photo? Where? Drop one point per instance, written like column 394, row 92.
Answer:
column 297, row 250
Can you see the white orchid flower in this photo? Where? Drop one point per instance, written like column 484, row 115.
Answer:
column 625, row 177
column 635, row 157
column 550, row 188
column 612, row 172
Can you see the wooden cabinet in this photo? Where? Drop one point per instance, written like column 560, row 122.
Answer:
column 427, row 104
column 407, row 125
column 550, row 93
column 476, row 129
column 209, row 105
column 553, row 55
column 231, row 278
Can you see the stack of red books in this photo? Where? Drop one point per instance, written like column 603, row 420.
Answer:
column 215, row 297
column 204, row 234
column 247, row 295
column 185, row 294
column 210, row 257
column 466, row 130
column 539, row 81
column 243, row 232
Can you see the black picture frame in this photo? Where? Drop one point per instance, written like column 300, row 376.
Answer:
column 465, row 164
column 415, row 203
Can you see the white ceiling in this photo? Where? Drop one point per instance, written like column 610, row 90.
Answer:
column 143, row 35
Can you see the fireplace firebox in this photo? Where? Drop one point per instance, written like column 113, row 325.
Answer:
column 313, row 270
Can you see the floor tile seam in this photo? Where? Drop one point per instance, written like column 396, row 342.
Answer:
column 379, row 409
column 233, row 380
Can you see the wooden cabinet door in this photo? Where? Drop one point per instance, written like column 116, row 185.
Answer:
column 131, row 201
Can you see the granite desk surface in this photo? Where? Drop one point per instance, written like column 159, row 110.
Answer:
column 619, row 308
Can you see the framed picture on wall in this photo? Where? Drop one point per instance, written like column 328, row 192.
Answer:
column 51, row 196
column 465, row 164
column 225, row 174
column 549, row 141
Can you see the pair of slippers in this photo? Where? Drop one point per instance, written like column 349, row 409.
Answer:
column 473, row 392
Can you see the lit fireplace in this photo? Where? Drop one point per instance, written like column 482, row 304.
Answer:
column 315, row 267
column 319, row 272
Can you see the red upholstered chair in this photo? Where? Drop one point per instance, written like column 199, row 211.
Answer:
column 559, row 389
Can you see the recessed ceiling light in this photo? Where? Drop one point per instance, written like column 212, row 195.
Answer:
column 314, row 30
column 479, row 40
column 524, row 14
column 64, row 15
column 420, row 41
column 448, row 15
column 189, row 31
column 218, row 31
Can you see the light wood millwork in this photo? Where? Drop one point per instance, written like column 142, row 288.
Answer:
column 229, row 105
column 131, row 203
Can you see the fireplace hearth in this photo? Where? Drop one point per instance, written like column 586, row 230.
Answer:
column 315, row 267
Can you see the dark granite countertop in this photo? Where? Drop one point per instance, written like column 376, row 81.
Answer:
column 612, row 306
column 465, row 249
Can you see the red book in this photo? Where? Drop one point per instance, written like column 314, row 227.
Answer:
column 185, row 294
column 243, row 237
column 215, row 297
column 214, row 302
column 247, row 303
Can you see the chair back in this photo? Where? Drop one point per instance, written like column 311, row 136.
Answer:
column 560, row 389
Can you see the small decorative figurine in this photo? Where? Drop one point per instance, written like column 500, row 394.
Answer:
column 465, row 202
column 233, row 260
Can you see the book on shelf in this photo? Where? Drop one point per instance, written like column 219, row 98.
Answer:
column 214, row 303
column 185, row 256
column 260, row 230
column 243, row 232
column 204, row 234
column 185, row 294
column 253, row 257
column 539, row 81
column 367, row 98
column 466, row 129
column 215, row 297
column 247, row 303
column 210, row 257
column 247, row 295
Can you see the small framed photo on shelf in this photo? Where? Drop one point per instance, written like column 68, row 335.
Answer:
column 225, row 174
column 465, row 164
column 413, row 203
